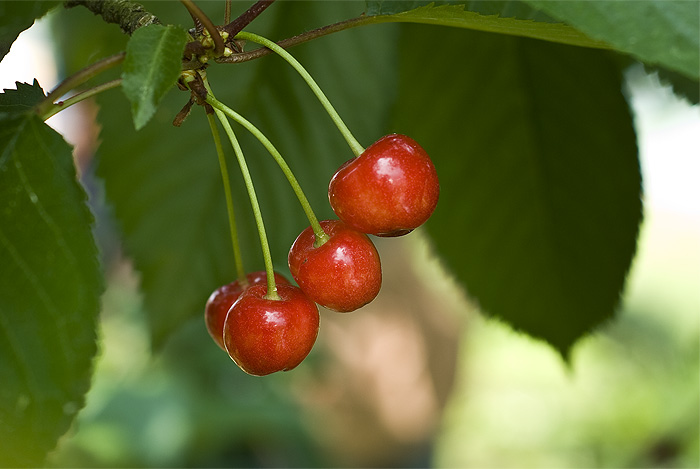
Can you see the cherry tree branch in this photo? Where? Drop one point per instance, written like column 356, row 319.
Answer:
column 237, row 25
column 129, row 15
column 301, row 38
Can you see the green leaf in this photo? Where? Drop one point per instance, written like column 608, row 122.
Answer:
column 50, row 284
column 657, row 32
column 165, row 185
column 151, row 68
column 461, row 17
column 503, row 8
column 23, row 98
column 682, row 86
column 540, row 182
column 16, row 16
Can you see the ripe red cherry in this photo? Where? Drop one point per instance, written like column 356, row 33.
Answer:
column 264, row 336
column 221, row 300
column 343, row 274
column 389, row 190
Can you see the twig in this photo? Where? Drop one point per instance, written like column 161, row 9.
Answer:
column 300, row 38
column 237, row 25
column 128, row 15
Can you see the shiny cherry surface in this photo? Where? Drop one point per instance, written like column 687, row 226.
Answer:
column 389, row 190
column 221, row 300
column 264, row 335
column 343, row 274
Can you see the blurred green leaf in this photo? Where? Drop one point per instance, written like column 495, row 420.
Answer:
column 16, row 16
column 540, row 199
column 151, row 68
column 164, row 182
column 50, row 284
column 657, row 32
column 682, row 86
column 459, row 15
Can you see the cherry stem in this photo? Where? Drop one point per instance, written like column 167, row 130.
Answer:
column 78, row 79
column 197, row 13
column 267, row 257
column 61, row 105
column 321, row 236
column 238, row 259
column 355, row 146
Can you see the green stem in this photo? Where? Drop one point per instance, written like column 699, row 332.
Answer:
column 238, row 259
column 321, row 236
column 355, row 146
column 271, row 286
column 61, row 105
column 78, row 79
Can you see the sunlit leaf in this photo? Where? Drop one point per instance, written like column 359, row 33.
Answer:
column 461, row 16
column 660, row 32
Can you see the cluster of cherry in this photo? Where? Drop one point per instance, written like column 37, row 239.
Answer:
column 389, row 190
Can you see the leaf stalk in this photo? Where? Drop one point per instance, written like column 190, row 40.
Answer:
column 321, row 236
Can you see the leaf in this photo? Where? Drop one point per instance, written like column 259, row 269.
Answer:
column 151, row 68
column 540, row 183
column 50, row 284
column 23, row 98
column 656, row 32
column 682, row 86
column 16, row 16
column 461, row 17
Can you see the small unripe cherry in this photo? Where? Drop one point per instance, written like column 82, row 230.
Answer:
column 221, row 300
column 343, row 274
column 389, row 190
column 263, row 336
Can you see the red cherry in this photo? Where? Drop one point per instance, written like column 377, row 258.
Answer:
column 264, row 336
column 389, row 190
column 343, row 274
column 221, row 300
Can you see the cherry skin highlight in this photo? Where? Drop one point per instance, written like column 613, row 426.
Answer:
column 343, row 274
column 221, row 300
column 263, row 336
column 389, row 190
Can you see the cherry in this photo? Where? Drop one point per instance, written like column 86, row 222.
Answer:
column 389, row 190
column 221, row 300
column 264, row 335
column 343, row 274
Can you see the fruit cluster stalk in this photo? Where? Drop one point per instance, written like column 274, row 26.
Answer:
column 237, row 257
column 355, row 146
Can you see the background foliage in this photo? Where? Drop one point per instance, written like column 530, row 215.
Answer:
column 525, row 118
